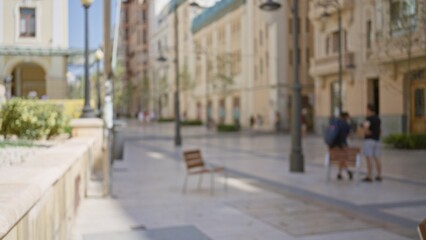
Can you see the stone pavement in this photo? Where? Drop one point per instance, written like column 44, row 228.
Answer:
column 264, row 200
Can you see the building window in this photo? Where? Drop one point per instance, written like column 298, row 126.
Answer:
column 222, row 111
column 327, row 45
column 308, row 25
column 27, row 22
column 419, row 103
column 290, row 57
column 403, row 16
column 290, row 26
column 369, row 34
column 335, row 41
column 308, row 56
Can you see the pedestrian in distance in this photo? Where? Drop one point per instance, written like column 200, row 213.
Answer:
column 277, row 122
column 252, row 122
column 371, row 147
column 337, row 137
column 304, row 121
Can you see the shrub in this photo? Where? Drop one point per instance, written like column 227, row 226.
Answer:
column 227, row 128
column 164, row 120
column 31, row 119
column 406, row 141
column 192, row 123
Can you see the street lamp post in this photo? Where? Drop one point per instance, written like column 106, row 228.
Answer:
column 178, row 137
column 335, row 4
column 87, row 109
column 207, row 93
column 161, row 58
column 99, row 56
column 296, row 155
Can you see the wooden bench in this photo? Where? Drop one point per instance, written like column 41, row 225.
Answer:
column 422, row 230
column 195, row 166
column 351, row 155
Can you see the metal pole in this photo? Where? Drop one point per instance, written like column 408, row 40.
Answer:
column 108, row 100
column 207, row 93
column 339, row 15
column 87, row 109
column 296, row 155
column 98, row 88
column 178, row 138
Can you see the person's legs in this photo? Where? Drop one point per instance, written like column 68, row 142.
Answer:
column 377, row 161
column 341, row 167
column 369, row 155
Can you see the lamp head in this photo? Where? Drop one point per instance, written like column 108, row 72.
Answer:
column 161, row 58
column 99, row 55
column 270, row 5
column 86, row 3
column 325, row 15
column 195, row 4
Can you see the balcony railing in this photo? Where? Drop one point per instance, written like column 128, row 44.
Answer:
column 330, row 64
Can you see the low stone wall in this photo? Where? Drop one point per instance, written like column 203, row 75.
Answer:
column 39, row 198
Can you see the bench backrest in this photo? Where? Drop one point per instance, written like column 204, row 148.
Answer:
column 347, row 154
column 193, row 159
column 422, row 230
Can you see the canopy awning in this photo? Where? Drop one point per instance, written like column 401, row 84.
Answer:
column 74, row 56
column 34, row 51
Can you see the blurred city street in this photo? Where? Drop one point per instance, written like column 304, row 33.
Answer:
column 264, row 200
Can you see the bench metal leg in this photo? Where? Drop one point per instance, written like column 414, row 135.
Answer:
column 358, row 168
column 226, row 180
column 327, row 165
column 184, row 184
column 212, row 184
column 200, row 181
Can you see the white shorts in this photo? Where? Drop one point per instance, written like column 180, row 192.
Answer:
column 371, row 148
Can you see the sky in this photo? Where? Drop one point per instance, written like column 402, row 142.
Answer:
column 76, row 23
column 76, row 20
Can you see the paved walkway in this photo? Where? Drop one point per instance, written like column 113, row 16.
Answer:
column 264, row 200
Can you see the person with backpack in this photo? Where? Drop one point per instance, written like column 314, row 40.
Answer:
column 336, row 137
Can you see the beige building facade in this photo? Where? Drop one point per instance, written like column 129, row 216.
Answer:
column 384, row 62
column 245, row 66
column 134, row 50
column 33, row 48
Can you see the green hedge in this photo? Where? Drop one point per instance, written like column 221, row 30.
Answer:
column 227, row 128
column 31, row 120
column 406, row 141
column 165, row 120
column 192, row 123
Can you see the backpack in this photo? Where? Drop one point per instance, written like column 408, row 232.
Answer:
column 331, row 133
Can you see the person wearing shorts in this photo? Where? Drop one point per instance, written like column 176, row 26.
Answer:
column 371, row 147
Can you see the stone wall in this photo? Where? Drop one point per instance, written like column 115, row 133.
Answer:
column 39, row 199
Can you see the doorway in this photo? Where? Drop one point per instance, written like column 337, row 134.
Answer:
column 29, row 80
column 418, row 106
column 373, row 94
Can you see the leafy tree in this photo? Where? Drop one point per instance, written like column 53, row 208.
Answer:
column 225, row 73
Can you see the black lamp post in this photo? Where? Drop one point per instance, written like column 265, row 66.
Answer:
column 99, row 55
column 87, row 109
column 335, row 4
column 161, row 58
column 296, row 155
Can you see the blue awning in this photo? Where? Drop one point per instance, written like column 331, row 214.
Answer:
column 215, row 13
